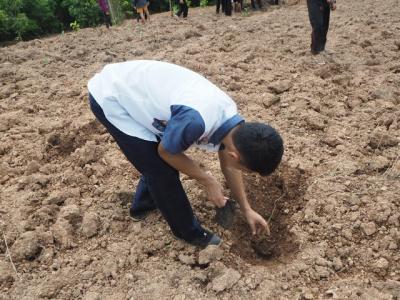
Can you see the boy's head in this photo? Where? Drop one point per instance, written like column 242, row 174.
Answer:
column 260, row 147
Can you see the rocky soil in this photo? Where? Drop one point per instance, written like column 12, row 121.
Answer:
column 333, row 206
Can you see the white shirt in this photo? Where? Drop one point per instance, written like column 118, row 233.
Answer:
column 155, row 100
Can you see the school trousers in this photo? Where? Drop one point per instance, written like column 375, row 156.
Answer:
column 159, row 184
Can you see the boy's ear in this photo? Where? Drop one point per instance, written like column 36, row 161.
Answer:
column 234, row 155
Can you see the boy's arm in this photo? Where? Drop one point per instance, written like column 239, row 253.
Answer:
column 184, row 164
column 235, row 183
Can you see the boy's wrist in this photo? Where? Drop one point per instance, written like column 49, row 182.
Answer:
column 246, row 209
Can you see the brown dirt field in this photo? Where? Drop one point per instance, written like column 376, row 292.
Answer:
column 333, row 206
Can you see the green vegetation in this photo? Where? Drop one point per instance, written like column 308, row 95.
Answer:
column 27, row 19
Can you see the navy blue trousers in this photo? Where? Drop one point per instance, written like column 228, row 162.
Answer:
column 159, row 182
column 319, row 14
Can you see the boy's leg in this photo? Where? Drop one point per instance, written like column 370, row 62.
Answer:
column 162, row 180
column 142, row 201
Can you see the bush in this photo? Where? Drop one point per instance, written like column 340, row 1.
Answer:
column 25, row 27
column 85, row 12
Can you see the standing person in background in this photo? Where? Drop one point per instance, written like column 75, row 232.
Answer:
column 226, row 7
column 219, row 4
column 319, row 13
column 106, row 12
column 254, row 6
column 141, row 7
column 183, row 9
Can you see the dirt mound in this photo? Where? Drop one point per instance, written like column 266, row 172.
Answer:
column 276, row 198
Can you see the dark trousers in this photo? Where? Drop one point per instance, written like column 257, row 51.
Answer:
column 319, row 13
column 107, row 19
column 183, row 8
column 253, row 4
column 159, row 182
column 226, row 7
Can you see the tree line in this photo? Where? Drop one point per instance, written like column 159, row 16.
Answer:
column 27, row 19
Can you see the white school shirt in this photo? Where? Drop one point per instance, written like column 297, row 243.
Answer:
column 160, row 101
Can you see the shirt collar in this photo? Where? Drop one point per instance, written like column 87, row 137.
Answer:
column 224, row 129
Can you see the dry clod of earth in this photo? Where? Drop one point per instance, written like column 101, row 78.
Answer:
column 368, row 228
column 210, row 254
column 225, row 280
column 280, row 87
column 26, row 247
column 186, row 259
column 90, row 224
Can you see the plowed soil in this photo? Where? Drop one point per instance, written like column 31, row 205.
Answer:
column 333, row 206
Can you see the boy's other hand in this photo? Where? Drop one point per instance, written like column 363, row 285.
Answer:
column 257, row 223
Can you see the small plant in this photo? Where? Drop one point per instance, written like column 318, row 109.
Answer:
column 74, row 26
column 203, row 3
column 175, row 9
column 245, row 12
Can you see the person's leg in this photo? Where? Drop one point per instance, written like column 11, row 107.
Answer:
column 105, row 20
column 142, row 202
column 218, row 5
column 108, row 20
column 326, row 17
column 162, row 181
column 180, row 4
column 185, row 9
column 140, row 11
column 147, row 13
column 316, row 19
column 223, row 4
column 228, row 7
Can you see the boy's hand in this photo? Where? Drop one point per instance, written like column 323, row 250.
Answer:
column 215, row 192
column 257, row 223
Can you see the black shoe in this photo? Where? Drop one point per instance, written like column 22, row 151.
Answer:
column 206, row 239
column 137, row 216
column 146, row 206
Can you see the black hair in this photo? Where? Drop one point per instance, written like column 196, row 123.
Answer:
column 260, row 147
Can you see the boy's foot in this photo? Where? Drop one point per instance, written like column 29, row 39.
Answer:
column 208, row 238
column 141, row 215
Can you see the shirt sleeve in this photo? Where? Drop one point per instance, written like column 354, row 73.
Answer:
column 184, row 128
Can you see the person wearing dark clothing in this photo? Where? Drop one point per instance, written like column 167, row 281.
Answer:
column 106, row 12
column 183, row 9
column 319, row 14
column 220, row 4
column 226, row 7
column 253, row 4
